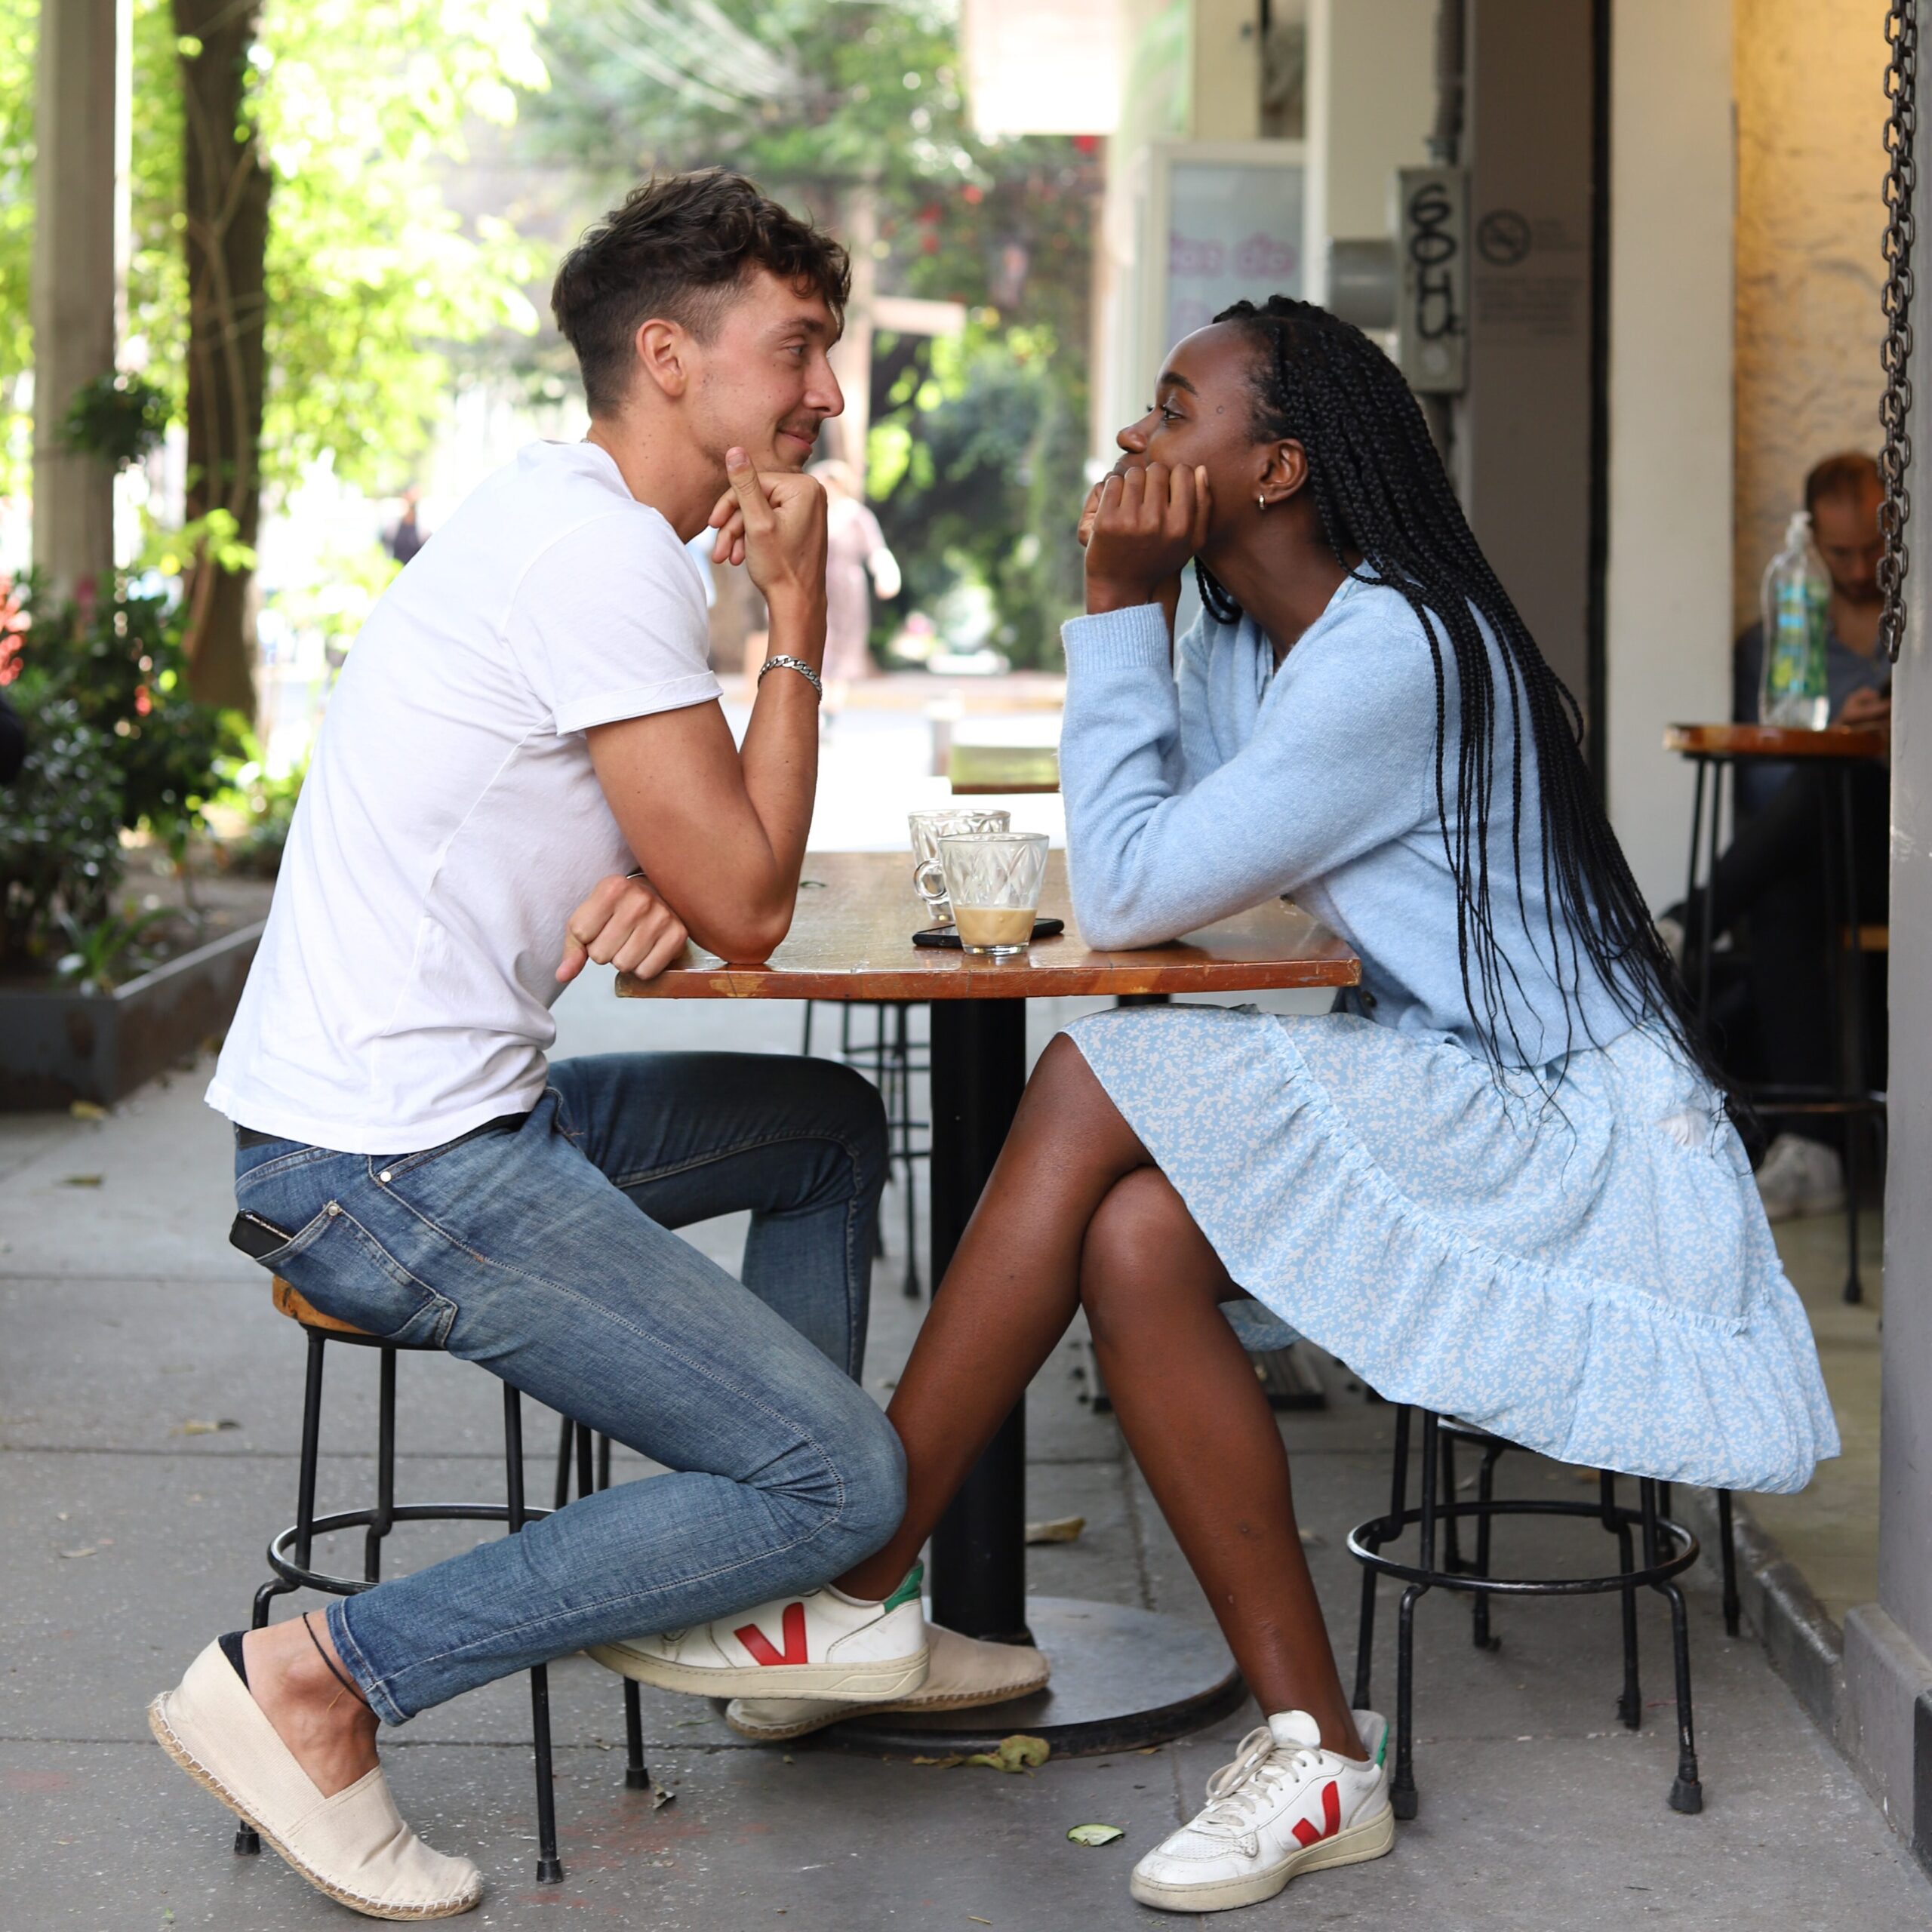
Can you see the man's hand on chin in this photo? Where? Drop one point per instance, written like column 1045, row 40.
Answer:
column 625, row 925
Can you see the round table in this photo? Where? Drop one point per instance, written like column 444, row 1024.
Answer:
column 1122, row 1678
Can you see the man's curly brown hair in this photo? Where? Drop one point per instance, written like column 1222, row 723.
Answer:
column 679, row 248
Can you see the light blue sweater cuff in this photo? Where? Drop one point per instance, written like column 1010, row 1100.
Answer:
column 1131, row 640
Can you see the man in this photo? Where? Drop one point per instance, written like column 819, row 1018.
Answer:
column 1777, row 1022
column 525, row 767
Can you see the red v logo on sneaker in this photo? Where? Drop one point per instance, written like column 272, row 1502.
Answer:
column 1305, row 1834
column 755, row 1641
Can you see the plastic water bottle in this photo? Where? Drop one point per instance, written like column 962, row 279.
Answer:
column 1796, row 595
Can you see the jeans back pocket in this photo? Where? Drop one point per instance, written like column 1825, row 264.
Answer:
column 338, row 1264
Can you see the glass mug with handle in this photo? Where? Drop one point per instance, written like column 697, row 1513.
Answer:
column 993, row 879
column 927, row 829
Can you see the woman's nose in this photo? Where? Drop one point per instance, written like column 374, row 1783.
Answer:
column 1133, row 438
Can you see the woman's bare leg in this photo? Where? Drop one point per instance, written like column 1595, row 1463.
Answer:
column 1007, row 1297
column 1201, row 1429
column 1074, row 1209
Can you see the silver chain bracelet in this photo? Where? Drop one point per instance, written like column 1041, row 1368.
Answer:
column 797, row 664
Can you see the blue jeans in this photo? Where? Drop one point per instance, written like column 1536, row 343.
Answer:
column 541, row 1246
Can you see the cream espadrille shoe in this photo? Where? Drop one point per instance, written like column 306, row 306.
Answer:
column 354, row 1846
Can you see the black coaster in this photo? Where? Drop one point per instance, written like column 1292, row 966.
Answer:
column 947, row 937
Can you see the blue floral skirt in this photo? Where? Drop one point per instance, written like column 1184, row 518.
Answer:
column 1576, row 1259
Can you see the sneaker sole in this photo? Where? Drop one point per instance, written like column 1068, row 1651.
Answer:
column 857, row 1684
column 1372, row 1838
column 953, row 1700
column 165, row 1736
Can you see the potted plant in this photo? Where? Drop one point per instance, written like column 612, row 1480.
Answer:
column 91, row 1002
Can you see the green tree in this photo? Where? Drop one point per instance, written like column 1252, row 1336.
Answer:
column 834, row 103
column 348, row 112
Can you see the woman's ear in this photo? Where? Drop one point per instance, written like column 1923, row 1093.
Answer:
column 1284, row 471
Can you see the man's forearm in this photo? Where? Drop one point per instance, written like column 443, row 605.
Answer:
column 780, row 749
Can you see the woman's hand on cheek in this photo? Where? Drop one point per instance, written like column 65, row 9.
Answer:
column 1141, row 527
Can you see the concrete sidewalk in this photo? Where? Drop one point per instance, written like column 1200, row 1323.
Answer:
column 150, row 1401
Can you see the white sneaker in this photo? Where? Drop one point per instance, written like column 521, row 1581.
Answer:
column 823, row 1643
column 963, row 1673
column 1800, row 1177
column 1284, row 1807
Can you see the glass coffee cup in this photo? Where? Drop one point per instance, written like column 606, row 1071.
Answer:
column 946, row 822
column 993, row 880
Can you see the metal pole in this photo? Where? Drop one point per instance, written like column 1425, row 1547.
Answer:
column 979, row 1071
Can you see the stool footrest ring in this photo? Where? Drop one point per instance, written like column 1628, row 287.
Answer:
column 280, row 1552
column 1365, row 1542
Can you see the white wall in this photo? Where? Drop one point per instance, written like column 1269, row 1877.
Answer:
column 1811, row 157
column 1371, row 100
column 1669, row 587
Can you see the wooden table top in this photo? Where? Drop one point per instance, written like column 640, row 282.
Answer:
column 1780, row 742
column 981, row 769
column 852, row 939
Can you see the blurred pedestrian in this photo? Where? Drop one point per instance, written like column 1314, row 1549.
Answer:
column 408, row 536
column 857, row 563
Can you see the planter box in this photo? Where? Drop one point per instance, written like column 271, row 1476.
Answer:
column 57, row 1047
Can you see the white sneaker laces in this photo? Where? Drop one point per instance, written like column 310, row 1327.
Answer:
column 1239, row 1792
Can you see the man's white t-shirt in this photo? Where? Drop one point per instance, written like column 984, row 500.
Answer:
column 451, row 822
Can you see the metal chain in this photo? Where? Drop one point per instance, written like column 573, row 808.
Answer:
column 1895, row 408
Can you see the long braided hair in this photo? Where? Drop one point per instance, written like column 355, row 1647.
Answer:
column 1380, row 490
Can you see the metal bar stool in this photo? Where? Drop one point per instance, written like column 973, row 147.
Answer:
column 889, row 1060
column 290, row 1553
column 1668, row 1548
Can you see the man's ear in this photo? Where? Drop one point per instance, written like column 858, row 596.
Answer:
column 663, row 351
column 1283, row 471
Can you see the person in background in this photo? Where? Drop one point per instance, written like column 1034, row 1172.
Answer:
column 1777, row 1030
column 407, row 537
column 857, row 563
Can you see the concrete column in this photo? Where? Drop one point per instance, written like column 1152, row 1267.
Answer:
column 1887, row 1723
column 1668, row 648
column 74, row 281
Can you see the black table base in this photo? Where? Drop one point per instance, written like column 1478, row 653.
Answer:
column 1123, row 1680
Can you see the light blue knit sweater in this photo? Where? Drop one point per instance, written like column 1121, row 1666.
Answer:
column 1194, row 796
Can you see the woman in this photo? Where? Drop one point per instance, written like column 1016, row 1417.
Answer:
column 1504, row 1188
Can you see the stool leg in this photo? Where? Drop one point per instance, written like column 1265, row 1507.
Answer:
column 312, row 1436
column 1403, row 1795
column 636, row 1778
column 372, row 1539
column 1391, row 1526
column 247, row 1844
column 1452, row 1538
column 550, row 1867
column 1687, row 1794
column 1727, row 1541
column 585, row 1479
column 561, row 1494
column 1485, row 1496
column 1630, row 1704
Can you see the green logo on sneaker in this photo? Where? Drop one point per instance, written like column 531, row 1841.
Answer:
column 908, row 1590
